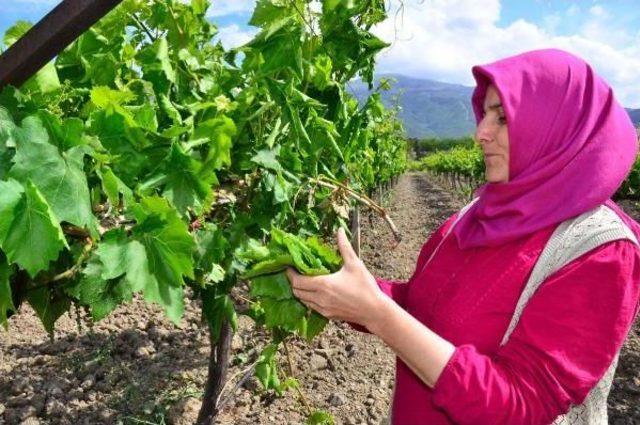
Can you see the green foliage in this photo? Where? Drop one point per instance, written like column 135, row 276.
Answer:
column 459, row 160
column 423, row 147
column 320, row 417
column 30, row 234
column 279, row 308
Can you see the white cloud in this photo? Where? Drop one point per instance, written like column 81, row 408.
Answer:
column 229, row 7
column 573, row 10
column 443, row 39
column 233, row 36
column 601, row 26
column 552, row 22
column 598, row 11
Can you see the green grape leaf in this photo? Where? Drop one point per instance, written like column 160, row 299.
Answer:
column 113, row 101
column 11, row 192
column 102, row 287
column 110, row 100
column 315, row 325
column 217, row 308
column 144, row 117
column 112, row 254
column 253, row 250
column 102, row 296
column 118, row 138
column 186, row 183
column 7, row 142
column 141, row 277
column 169, row 247
column 30, row 234
column 268, row 11
column 302, row 255
column 218, row 133
column 102, row 69
column 15, row 32
column 275, row 286
column 113, row 187
column 170, row 109
column 330, row 258
column 268, row 158
column 48, row 306
column 65, row 134
column 60, row 178
column 216, row 274
column 281, row 189
column 266, row 368
column 118, row 268
column 211, row 246
column 271, row 287
column 167, row 240
column 270, row 265
column 200, row 6
column 286, row 314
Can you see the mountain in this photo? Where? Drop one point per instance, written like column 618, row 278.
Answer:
column 635, row 116
column 432, row 108
column 429, row 108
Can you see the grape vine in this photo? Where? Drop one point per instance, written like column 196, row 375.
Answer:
column 147, row 159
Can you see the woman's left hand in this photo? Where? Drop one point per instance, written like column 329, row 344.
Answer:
column 350, row 294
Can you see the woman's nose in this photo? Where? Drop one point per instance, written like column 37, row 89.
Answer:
column 483, row 132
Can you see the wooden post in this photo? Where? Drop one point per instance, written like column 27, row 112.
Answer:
column 58, row 29
column 355, row 229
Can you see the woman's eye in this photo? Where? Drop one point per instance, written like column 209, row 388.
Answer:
column 503, row 120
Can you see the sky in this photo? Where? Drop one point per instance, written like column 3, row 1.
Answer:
column 442, row 39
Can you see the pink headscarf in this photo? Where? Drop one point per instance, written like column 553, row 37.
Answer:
column 571, row 145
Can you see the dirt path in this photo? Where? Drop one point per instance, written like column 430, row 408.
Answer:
column 135, row 367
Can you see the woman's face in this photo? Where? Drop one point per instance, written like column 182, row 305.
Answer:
column 493, row 138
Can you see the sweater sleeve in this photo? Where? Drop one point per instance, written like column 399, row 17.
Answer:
column 397, row 290
column 565, row 340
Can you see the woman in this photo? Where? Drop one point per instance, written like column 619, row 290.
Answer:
column 488, row 330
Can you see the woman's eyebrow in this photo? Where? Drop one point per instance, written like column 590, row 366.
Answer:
column 494, row 106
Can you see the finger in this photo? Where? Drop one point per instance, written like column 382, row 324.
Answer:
column 298, row 281
column 346, row 250
column 302, row 294
column 313, row 306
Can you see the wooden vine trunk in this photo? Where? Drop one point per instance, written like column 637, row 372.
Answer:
column 217, row 374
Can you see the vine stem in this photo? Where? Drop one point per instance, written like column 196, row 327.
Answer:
column 247, row 373
column 245, row 299
column 73, row 270
column 292, row 3
column 143, row 27
column 362, row 199
column 292, row 374
column 69, row 273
